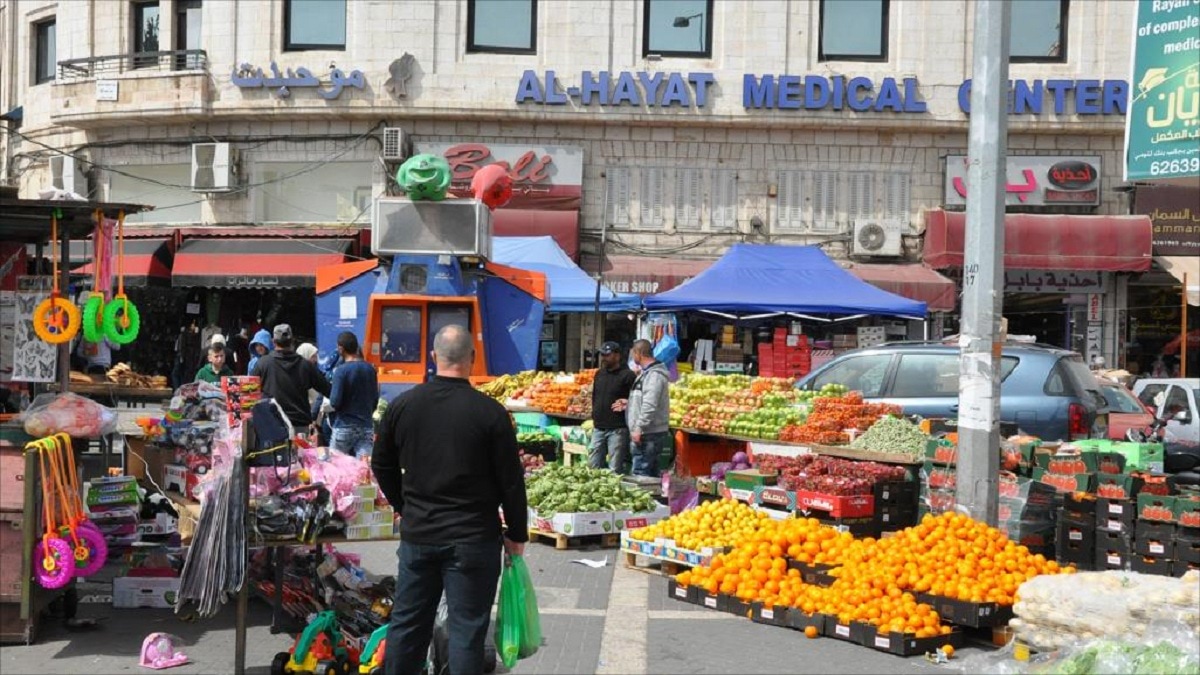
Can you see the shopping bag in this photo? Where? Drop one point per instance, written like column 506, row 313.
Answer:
column 510, row 617
column 531, row 638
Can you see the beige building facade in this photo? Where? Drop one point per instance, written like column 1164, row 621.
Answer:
column 694, row 124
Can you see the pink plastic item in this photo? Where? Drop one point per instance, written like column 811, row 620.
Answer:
column 158, row 652
column 53, row 568
column 96, row 555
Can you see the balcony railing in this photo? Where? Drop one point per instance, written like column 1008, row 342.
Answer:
column 107, row 66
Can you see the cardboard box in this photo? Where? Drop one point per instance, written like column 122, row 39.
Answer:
column 1181, row 567
column 773, row 615
column 1115, row 508
column 859, row 527
column 749, row 479
column 891, row 518
column 631, row 520
column 1118, row 485
column 903, row 644
column 580, row 524
column 853, row 506
column 161, row 524
column 775, row 498
column 1079, row 507
column 1187, row 550
column 1156, row 507
column 1155, row 547
column 970, row 614
column 1077, row 482
column 1187, row 511
column 175, row 478
column 135, row 592
column 688, row 594
column 1149, row 529
column 1140, row 456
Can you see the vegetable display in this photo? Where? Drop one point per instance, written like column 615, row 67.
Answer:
column 714, row 524
column 893, row 435
column 832, row 416
column 571, row 489
column 829, row 475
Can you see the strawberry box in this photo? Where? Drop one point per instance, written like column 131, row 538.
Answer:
column 1156, row 507
column 849, row 506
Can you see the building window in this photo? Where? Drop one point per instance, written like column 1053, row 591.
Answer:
column 338, row 192
column 45, row 60
column 314, row 24
column 677, row 28
column 188, row 22
column 853, row 30
column 790, row 211
column 897, row 202
column 165, row 186
column 860, row 196
column 145, row 34
column 617, row 193
column 823, row 195
column 723, row 211
column 502, row 26
column 650, row 196
column 1038, row 31
column 689, row 198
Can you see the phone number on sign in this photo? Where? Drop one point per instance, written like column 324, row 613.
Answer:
column 1175, row 166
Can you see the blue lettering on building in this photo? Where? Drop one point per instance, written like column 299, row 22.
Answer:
column 811, row 92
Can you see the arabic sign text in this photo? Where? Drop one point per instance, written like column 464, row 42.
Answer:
column 1162, row 130
column 1035, row 180
column 1049, row 281
column 1175, row 215
column 246, row 76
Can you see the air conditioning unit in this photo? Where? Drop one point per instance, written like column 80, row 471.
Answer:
column 67, row 175
column 877, row 238
column 214, row 167
column 396, row 146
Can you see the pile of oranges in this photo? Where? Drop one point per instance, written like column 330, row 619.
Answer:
column 715, row 524
column 875, row 580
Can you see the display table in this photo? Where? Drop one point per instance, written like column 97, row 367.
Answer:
column 131, row 396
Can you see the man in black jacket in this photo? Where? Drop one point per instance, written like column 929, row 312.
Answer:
column 446, row 458
column 610, row 392
column 287, row 377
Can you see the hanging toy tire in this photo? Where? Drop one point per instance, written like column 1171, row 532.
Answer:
column 121, row 329
column 94, row 555
column 53, row 563
column 56, row 320
column 89, row 525
column 93, row 318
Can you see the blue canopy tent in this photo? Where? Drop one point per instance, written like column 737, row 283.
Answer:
column 756, row 281
column 571, row 289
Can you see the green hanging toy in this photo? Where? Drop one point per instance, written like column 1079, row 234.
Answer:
column 121, row 318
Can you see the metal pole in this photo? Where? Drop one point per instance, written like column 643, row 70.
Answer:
column 1183, row 329
column 64, row 283
column 597, row 328
column 983, row 266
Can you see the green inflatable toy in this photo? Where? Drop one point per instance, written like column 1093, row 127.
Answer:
column 424, row 177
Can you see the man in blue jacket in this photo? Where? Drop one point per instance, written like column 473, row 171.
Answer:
column 353, row 400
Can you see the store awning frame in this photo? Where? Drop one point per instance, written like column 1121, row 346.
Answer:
column 914, row 281
column 148, row 262
column 1049, row 241
column 1179, row 267
column 227, row 262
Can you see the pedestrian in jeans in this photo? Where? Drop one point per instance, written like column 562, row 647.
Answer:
column 446, row 458
column 610, row 393
column 353, row 399
column 648, row 410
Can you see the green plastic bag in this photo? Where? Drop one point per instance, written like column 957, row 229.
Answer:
column 531, row 637
column 518, row 626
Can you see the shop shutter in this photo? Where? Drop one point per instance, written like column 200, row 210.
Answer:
column 617, row 188
column 650, row 196
column 791, row 200
column 689, row 196
column 860, row 200
column 824, row 201
column 898, row 199
column 724, row 198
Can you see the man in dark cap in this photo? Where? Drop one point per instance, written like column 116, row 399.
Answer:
column 287, row 377
column 610, row 392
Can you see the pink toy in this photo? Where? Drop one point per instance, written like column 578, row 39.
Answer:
column 53, row 563
column 158, row 652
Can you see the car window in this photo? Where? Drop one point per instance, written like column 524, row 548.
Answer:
column 1148, row 394
column 859, row 373
column 1176, row 401
column 1120, row 400
column 926, row 376
column 1071, row 377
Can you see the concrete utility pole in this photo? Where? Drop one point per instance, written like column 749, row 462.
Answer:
column 983, row 266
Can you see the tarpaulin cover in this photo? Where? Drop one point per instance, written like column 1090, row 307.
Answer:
column 762, row 279
column 255, row 263
column 571, row 289
column 1049, row 242
column 147, row 261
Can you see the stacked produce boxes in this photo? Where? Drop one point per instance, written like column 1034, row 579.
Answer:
column 789, row 354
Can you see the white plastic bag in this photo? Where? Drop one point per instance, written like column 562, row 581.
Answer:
column 68, row 413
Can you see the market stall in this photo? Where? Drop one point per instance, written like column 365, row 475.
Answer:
column 755, row 285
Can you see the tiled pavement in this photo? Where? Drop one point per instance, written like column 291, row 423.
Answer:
column 643, row 631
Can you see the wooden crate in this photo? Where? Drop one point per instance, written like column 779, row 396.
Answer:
column 12, row 479
column 651, row 565
column 564, row 542
column 12, row 552
column 14, row 629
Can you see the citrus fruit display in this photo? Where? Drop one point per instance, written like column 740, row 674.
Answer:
column 715, row 524
column 874, row 581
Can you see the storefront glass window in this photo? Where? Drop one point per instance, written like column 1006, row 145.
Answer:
column 314, row 24
column 1038, row 31
column 401, row 334
column 853, row 30
column 294, row 192
column 503, row 26
column 166, row 187
column 677, row 28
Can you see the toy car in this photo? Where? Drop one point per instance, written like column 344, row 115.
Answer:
column 371, row 659
column 320, row 650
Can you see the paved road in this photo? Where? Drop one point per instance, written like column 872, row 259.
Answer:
column 606, row 620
